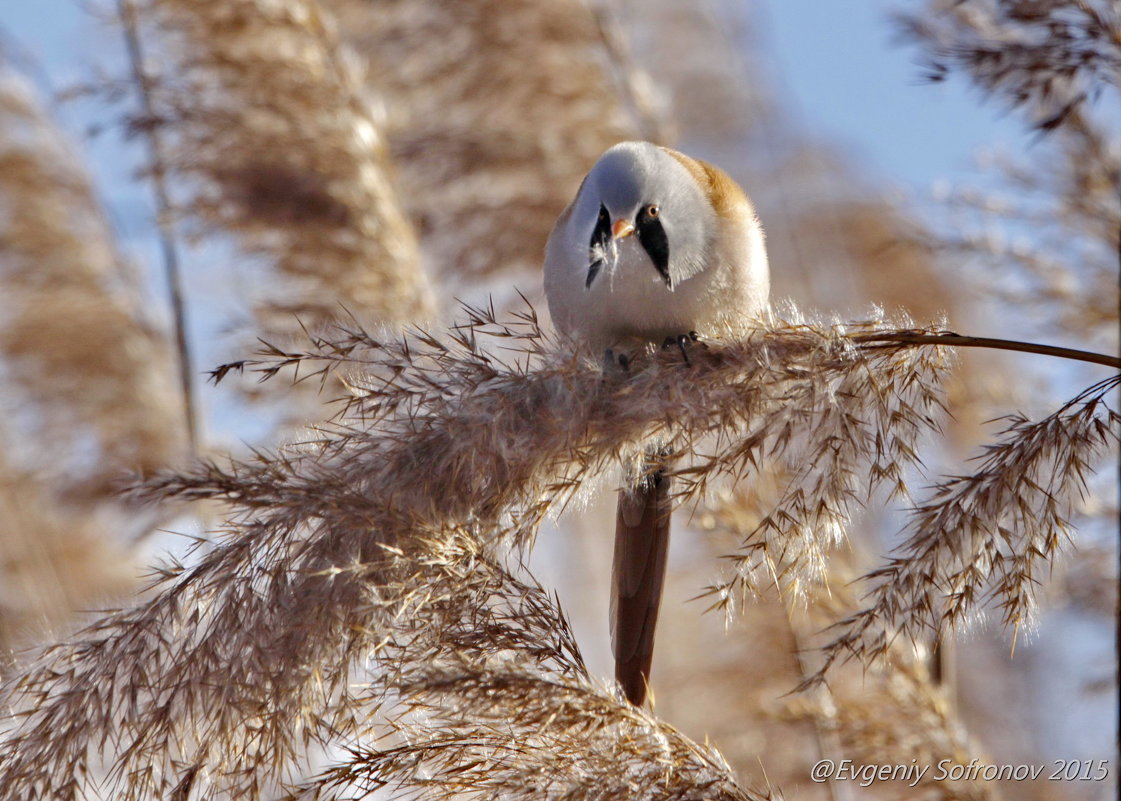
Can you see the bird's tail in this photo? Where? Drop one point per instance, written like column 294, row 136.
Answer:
column 638, row 573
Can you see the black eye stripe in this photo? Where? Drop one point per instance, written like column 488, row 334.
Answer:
column 601, row 237
column 593, row 271
column 654, row 241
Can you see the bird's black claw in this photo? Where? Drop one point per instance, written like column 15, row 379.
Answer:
column 682, row 343
column 611, row 360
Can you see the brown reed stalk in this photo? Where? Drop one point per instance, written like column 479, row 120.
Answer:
column 168, row 245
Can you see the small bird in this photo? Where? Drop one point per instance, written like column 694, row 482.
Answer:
column 656, row 247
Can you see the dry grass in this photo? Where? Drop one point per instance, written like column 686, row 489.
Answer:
column 55, row 560
column 245, row 658
column 888, row 712
column 1059, row 66
column 362, row 570
column 363, row 619
column 89, row 392
column 987, row 535
column 492, row 698
column 1049, row 60
column 893, row 712
column 266, row 125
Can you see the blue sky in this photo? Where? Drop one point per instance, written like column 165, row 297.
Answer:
column 847, row 79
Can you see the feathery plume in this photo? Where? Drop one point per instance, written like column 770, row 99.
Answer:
column 492, row 698
column 87, row 377
column 1059, row 65
column 1049, row 59
column 988, row 535
column 54, row 559
column 866, row 429
column 892, row 712
column 492, row 130
column 243, row 660
column 268, row 126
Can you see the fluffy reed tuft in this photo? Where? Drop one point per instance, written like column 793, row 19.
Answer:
column 988, row 535
column 263, row 113
column 86, row 393
column 244, row 659
column 54, row 559
column 85, row 372
column 892, row 712
column 492, row 698
column 1059, row 65
column 491, row 130
column 1048, row 58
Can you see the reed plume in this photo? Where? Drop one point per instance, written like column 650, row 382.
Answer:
column 892, row 712
column 1057, row 65
column 82, row 363
column 988, row 535
column 493, row 130
column 86, row 395
column 249, row 655
column 364, row 611
column 492, row 697
column 274, row 140
column 55, row 561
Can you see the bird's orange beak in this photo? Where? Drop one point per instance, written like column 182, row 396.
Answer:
column 621, row 229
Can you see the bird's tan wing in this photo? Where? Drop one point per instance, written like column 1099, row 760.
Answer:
column 727, row 197
column 641, row 543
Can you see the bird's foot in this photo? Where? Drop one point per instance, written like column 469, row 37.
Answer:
column 611, row 359
column 683, row 342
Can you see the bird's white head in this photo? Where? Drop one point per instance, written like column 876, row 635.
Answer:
column 655, row 244
column 640, row 203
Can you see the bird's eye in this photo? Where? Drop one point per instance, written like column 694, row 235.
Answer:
column 652, row 211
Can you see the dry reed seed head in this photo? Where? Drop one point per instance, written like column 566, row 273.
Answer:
column 1068, row 269
column 987, row 536
column 1058, row 63
column 887, row 713
column 54, row 559
column 493, row 133
column 704, row 89
column 1048, row 58
column 1070, row 199
column 265, row 120
column 448, row 435
column 837, row 445
column 496, row 700
column 76, row 347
